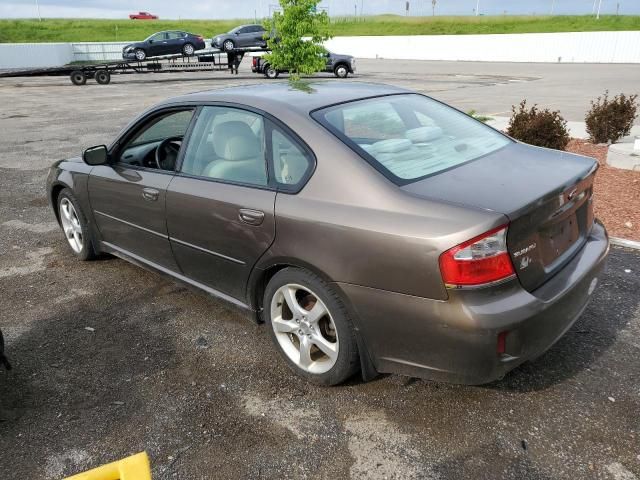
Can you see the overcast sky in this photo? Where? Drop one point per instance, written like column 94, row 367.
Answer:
column 214, row 9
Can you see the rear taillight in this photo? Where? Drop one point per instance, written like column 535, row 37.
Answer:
column 483, row 259
column 254, row 61
column 200, row 37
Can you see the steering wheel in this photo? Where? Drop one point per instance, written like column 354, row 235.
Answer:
column 167, row 153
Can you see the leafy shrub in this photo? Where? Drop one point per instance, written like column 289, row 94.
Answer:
column 542, row 128
column 610, row 120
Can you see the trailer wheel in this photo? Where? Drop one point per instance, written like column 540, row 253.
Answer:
column 103, row 77
column 271, row 72
column 228, row 45
column 78, row 77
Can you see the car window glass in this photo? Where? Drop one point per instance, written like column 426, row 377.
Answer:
column 158, row 37
column 376, row 121
column 174, row 35
column 140, row 150
column 290, row 162
column 411, row 136
column 227, row 144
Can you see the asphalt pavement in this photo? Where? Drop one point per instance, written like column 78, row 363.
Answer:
column 110, row 359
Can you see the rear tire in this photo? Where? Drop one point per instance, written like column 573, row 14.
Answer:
column 140, row 54
column 75, row 226
column 270, row 72
column 315, row 336
column 188, row 49
column 103, row 77
column 78, row 77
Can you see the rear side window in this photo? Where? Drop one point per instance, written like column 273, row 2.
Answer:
column 409, row 137
column 227, row 144
column 290, row 162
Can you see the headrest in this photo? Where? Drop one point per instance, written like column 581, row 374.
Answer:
column 235, row 140
column 392, row 145
column 423, row 134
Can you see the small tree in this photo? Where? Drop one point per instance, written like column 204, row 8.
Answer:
column 299, row 18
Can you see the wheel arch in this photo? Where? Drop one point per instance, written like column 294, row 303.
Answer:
column 54, row 194
column 262, row 274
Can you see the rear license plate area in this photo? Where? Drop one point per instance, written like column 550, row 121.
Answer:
column 558, row 238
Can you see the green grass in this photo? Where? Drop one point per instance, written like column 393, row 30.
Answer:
column 77, row 30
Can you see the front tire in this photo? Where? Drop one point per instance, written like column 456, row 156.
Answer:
column 228, row 46
column 188, row 49
column 140, row 54
column 74, row 226
column 311, row 327
column 341, row 71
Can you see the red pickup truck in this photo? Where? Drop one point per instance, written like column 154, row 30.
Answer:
column 143, row 16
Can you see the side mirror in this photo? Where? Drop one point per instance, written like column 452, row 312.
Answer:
column 150, row 41
column 96, row 155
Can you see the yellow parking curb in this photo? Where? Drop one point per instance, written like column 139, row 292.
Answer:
column 135, row 467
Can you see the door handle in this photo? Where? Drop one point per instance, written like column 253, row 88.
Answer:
column 252, row 217
column 150, row 194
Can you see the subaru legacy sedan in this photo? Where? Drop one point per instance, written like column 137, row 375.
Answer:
column 370, row 228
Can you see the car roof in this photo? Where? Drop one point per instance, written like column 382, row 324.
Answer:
column 277, row 95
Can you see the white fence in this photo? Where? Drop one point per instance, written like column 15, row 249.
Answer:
column 576, row 47
column 573, row 47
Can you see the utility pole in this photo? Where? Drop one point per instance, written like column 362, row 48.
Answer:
column 599, row 6
column 38, row 8
column 553, row 4
column 477, row 7
column 433, row 8
column 593, row 10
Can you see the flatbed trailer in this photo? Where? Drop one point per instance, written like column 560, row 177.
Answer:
column 201, row 61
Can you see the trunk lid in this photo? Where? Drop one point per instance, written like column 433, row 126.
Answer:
column 546, row 195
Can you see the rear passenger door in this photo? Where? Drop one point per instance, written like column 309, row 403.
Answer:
column 175, row 40
column 220, row 205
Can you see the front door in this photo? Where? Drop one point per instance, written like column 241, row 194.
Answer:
column 157, row 44
column 128, row 196
column 220, row 208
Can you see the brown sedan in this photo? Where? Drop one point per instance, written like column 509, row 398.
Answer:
column 371, row 228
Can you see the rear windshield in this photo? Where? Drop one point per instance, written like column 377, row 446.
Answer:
column 409, row 137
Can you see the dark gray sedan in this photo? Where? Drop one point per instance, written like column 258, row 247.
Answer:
column 243, row 36
column 164, row 43
column 371, row 228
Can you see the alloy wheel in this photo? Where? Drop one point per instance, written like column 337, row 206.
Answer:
column 341, row 72
column 304, row 328
column 188, row 49
column 140, row 55
column 228, row 45
column 71, row 225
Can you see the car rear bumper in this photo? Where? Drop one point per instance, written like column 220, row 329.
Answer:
column 456, row 340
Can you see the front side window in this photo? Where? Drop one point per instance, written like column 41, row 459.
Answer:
column 157, row 143
column 158, row 37
column 409, row 137
column 227, row 144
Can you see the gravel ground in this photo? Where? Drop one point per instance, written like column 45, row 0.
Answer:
column 110, row 360
column 617, row 193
